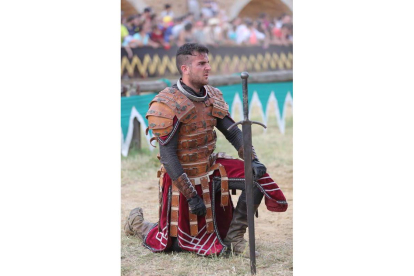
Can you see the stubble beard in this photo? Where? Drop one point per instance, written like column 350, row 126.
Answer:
column 198, row 82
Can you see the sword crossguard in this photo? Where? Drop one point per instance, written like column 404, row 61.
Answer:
column 246, row 122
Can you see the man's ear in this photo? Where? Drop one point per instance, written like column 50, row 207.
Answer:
column 184, row 69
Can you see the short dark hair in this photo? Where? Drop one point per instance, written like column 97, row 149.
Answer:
column 167, row 6
column 188, row 26
column 187, row 50
column 132, row 17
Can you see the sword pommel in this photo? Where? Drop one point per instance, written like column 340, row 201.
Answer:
column 244, row 75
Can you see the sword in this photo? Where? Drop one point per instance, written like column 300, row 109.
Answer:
column 248, row 174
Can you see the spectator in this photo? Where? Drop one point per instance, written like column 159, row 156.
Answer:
column 167, row 29
column 186, row 35
column 254, row 35
column 154, row 20
column 147, row 18
column 280, row 36
column 167, row 11
column 214, row 7
column 124, row 30
column 222, row 15
column 157, row 35
column 264, row 20
column 212, row 27
column 267, row 33
column 207, row 10
column 140, row 39
column 199, row 32
column 178, row 26
column 284, row 19
column 231, row 33
column 225, row 28
column 242, row 32
column 189, row 18
column 212, row 32
column 284, row 35
column 147, row 13
column 194, row 8
column 132, row 24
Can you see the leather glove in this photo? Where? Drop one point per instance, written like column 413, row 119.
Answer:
column 197, row 206
column 258, row 169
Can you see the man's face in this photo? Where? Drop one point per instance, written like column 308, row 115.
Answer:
column 199, row 69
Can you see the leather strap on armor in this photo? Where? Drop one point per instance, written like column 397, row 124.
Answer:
column 160, row 175
column 174, row 211
column 183, row 185
column 207, row 201
column 193, row 218
column 224, row 184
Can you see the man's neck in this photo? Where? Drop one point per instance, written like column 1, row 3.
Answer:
column 197, row 90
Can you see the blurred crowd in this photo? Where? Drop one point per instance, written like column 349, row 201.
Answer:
column 208, row 25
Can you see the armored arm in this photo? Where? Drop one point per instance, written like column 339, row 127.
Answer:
column 235, row 137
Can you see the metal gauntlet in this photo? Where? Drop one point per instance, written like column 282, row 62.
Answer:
column 184, row 185
column 241, row 153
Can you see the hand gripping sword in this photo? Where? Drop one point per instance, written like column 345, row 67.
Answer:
column 248, row 174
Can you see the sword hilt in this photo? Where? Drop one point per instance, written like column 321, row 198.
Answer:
column 246, row 121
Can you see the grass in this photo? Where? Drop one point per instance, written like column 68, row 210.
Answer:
column 273, row 231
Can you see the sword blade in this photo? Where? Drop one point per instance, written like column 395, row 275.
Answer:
column 245, row 97
column 248, row 174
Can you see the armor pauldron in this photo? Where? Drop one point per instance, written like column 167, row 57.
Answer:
column 220, row 107
column 160, row 126
column 164, row 107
